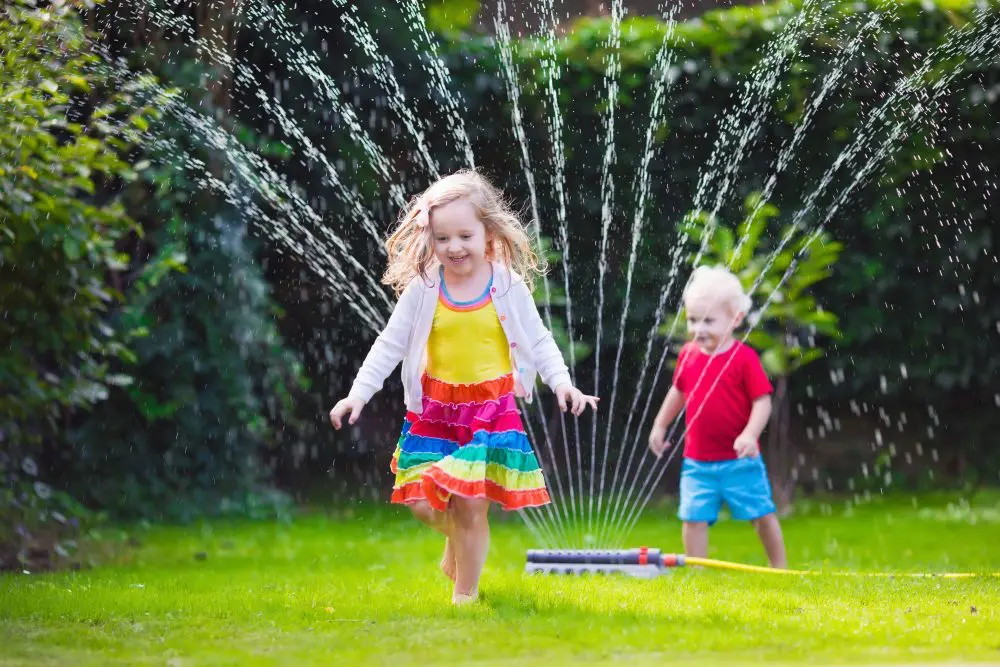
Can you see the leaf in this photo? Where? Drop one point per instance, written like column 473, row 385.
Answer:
column 824, row 321
column 775, row 361
column 674, row 329
column 761, row 340
column 759, row 213
column 83, row 183
column 805, row 358
column 91, row 392
column 77, row 82
column 71, row 247
column 723, row 242
column 119, row 379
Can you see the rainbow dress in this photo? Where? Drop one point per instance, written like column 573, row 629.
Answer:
column 469, row 440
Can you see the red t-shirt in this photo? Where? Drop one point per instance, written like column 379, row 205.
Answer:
column 719, row 392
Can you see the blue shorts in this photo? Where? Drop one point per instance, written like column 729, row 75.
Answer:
column 741, row 483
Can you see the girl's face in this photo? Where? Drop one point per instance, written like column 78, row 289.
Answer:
column 459, row 237
column 711, row 323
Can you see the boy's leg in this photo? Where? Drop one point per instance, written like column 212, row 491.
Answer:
column 747, row 491
column 701, row 499
column 696, row 538
column 769, row 531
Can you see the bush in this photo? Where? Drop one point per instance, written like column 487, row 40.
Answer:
column 914, row 223
column 213, row 380
column 886, row 225
column 923, row 220
column 64, row 154
column 212, row 393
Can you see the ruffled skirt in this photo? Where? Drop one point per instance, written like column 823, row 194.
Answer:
column 468, row 441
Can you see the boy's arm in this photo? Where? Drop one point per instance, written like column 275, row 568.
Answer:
column 748, row 442
column 672, row 405
column 759, row 415
column 759, row 389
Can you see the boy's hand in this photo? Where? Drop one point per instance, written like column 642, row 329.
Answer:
column 658, row 442
column 343, row 407
column 746, row 446
column 567, row 394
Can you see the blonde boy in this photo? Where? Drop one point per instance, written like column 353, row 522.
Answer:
column 720, row 383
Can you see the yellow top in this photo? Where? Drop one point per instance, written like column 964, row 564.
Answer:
column 467, row 345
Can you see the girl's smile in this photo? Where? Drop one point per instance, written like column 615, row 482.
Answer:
column 459, row 238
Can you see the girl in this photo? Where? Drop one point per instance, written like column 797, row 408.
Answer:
column 470, row 339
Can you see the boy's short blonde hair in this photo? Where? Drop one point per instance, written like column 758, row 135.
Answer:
column 717, row 284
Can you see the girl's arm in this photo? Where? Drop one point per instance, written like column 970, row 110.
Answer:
column 389, row 348
column 547, row 356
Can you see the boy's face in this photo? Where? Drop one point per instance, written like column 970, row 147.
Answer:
column 711, row 322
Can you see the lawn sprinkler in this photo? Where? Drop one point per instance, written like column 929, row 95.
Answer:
column 647, row 563
column 643, row 562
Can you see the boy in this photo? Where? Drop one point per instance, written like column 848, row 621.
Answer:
column 727, row 396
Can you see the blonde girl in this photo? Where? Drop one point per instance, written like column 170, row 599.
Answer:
column 470, row 341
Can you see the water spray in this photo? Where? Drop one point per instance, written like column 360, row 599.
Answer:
column 648, row 563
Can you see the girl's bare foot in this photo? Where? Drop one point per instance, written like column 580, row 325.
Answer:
column 448, row 565
column 459, row 599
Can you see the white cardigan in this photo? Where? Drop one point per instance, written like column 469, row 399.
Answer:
column 533, row 351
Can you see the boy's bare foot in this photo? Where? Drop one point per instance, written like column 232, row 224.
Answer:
column 448, row 565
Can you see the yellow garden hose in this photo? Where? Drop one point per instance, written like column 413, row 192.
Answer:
column 741, row 567
column 645, row 561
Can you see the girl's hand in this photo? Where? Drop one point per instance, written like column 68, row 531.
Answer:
column 746, row 446
column 343, row 407
column 567, row 394
column 658, row 442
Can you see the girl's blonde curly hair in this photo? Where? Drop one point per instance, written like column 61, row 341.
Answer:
column 410, row 247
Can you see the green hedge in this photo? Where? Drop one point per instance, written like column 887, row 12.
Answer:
column 67, row 141
column 213, row 380
column 914, row 336
column 887, row 228
column 141, row 371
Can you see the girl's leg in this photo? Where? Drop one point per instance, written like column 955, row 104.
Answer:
column 471, row 541
column 443, row 523
column 696, row 538
column 448, row 564
column 769, row 531
column 439, row 521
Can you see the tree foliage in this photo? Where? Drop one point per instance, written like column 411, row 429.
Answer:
column 67, row 134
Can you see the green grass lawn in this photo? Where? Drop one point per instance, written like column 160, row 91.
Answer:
column 362, row 588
